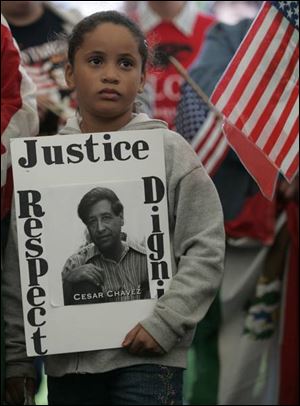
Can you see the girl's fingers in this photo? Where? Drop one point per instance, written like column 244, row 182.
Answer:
column 130, row 336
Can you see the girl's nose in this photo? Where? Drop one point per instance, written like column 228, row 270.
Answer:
column 109, row 75
column 110, row 80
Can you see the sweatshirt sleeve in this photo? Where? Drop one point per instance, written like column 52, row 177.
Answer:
column 17, row 362
column 199, row 245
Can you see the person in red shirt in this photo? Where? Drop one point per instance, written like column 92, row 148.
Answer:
column 19, row 118
column 175, row 28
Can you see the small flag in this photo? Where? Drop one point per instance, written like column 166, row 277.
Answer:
column 258, row 93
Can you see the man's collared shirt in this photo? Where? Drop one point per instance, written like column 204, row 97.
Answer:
column 124, row 280
column 184, row 21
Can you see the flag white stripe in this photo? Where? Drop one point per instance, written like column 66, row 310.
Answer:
column 244, row 63
column 251, row 86
column 285, row 132
column 273, row 120
column 290, row 156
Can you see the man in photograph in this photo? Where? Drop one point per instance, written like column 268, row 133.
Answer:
column 108, row 269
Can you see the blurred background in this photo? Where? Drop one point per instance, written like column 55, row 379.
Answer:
column 225, row 11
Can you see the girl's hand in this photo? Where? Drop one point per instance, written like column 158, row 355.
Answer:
column 138, row 341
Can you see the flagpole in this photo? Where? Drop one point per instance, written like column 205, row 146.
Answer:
column 183, row 72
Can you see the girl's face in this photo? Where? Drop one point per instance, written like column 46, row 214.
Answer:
column 107, row 73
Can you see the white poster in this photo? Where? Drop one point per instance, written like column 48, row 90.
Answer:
column 93, row 236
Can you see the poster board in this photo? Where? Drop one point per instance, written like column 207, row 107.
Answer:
column 51, row 176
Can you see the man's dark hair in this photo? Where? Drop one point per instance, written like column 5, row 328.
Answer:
column 89, row 23
column 96, row 195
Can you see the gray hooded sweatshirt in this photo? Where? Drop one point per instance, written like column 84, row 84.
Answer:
column 197, row 252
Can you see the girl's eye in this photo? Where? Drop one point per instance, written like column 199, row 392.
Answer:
column 126, row 63
column 95, row 60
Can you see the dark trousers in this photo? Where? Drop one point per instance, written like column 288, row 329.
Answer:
column 137, row 385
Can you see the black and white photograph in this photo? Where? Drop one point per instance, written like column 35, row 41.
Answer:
column 104, row 236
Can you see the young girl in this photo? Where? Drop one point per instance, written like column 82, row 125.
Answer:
column 107, row 64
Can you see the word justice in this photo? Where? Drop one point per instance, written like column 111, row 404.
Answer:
column 77, row 152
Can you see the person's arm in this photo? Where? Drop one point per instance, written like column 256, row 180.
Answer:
column 199, row 246
column 20, row 371
column 76, row 273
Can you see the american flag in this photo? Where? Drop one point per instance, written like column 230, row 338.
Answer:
column 259, row 91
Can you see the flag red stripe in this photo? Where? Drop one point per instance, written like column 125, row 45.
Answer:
column 293, row 168
column 277, row 131
column 207, row 135
column 289, row 142
column 265, row 115
column 221, row 87
column 212, row 149
column 266, row 78
column 252, row 67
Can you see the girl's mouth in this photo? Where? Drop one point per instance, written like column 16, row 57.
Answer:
column 109, row 94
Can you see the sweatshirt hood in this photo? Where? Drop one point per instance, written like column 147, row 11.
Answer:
column 139, row 121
